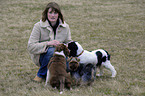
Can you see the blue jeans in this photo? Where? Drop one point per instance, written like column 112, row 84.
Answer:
column 44, row 60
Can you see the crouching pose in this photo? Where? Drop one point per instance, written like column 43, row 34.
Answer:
column 50, row 31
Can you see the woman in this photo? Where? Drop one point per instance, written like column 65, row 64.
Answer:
column 46, row 34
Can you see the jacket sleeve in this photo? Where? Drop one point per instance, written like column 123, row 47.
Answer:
column 34, row 44
column 68, row 38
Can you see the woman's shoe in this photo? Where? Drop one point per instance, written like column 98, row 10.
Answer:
column 38, row 79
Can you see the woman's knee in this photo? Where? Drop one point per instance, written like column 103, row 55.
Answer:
column 51, row 50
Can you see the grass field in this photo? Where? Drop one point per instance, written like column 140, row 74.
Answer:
column 117, row 26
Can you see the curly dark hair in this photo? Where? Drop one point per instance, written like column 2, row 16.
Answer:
column 55, row 7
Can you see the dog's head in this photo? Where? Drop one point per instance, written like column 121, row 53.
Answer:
column 75, row 48
column 73, row 63
column 62, row 47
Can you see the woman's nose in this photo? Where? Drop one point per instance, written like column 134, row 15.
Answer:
column 53, row 14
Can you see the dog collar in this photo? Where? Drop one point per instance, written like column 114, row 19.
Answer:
column 80, row 53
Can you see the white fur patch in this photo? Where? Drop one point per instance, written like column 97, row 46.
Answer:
column 47, row 77
column 61, row 92
column 60, row 53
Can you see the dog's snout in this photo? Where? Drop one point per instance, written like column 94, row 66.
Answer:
column 73, row 65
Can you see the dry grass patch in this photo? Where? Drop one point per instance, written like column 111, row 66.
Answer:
column 114, row 25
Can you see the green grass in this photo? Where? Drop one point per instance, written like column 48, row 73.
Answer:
column 117, row 26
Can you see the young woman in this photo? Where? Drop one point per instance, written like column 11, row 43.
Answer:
column 46, row 34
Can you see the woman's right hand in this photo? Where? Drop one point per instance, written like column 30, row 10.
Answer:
column 53, row 42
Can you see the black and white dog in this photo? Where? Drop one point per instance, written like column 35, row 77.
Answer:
column 98, row 57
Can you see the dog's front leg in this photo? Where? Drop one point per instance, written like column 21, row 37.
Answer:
column 47, row 77
column 100, row 71
column 78, row 82
column 62, row 81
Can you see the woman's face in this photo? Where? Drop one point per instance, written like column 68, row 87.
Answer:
column 52, row 15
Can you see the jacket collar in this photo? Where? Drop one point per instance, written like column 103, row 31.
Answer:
column 46, row 23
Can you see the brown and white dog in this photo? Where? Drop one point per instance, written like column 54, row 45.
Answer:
column 73, row 66
column 73, row 63
column 56, row 74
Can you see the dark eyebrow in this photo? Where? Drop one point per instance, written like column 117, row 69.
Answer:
column 53, row 9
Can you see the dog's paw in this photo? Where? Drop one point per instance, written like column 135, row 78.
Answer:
column 98, row 75
column 61, row 92
column 45, row 84
column 113, row 76
column 70, row 88
column 54, row 88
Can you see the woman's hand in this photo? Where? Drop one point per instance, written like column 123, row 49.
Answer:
column 53, row 42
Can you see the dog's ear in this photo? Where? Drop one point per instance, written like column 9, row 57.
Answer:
column 69, row 59
column 89, row 66
column 73, row 48
column 59, row 48
column 66, row 50
column 77, row 59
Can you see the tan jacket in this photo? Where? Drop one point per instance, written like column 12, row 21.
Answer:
column 42, row 33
